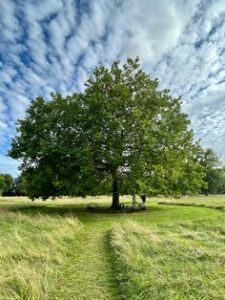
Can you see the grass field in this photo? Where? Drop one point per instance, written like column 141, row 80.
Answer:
column 59, row 250
column 216, row 201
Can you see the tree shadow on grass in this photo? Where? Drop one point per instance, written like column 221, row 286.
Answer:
column 77, row 209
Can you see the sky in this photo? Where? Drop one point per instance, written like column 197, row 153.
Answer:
column 53, row 45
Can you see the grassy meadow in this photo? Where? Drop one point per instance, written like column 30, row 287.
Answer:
column 58, row 250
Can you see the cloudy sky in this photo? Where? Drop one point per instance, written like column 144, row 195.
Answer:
column 52, row 45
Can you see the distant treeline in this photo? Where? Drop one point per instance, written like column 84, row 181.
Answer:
column 215, row 173
column 12, row 187
column 214, row 178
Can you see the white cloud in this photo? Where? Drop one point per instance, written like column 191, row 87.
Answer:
column 53, row 45
column 40, row 10
column 9, row 25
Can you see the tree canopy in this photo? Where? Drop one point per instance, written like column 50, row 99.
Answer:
column 121, row 135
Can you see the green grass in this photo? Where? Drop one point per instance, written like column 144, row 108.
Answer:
column 58, row 250
column 217, row 201
column 32, row 251
column 184, row 260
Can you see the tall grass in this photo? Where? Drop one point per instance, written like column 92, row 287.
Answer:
column 184, row 260
column 46, row 253
column 32, row 250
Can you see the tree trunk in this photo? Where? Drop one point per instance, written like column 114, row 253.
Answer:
column 115, row 190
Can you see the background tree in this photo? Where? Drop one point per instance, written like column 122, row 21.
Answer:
column 6, row 184
column 20, row 186
column 215, row 173
column 2, row 184
column 122, row 135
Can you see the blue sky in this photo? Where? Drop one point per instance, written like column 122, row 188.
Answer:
column 53, row 45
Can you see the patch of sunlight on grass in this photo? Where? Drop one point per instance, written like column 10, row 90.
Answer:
column 212, row 201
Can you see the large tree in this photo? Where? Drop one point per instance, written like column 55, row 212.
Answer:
column 122, row 134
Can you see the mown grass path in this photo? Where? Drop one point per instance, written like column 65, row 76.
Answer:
column 88, row 272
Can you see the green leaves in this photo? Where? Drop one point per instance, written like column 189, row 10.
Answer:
column 121, row 124
column 6, row 184
column 215, row 173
